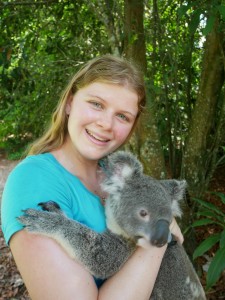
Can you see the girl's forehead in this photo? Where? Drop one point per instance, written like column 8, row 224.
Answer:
column 99, row 85
column 121, row 96
column 125, row 85
column 109, row 89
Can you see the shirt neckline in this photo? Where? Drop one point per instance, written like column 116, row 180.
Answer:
column 52, row 157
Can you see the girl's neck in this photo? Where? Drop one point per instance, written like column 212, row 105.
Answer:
column 75, row 163
column 86, row 170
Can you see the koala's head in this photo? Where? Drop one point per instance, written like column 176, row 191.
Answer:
column 139, row 206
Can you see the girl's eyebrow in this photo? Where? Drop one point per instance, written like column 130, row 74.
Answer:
column 95, row 96
column 122, row 111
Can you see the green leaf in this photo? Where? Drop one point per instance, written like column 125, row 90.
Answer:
column 222, row 239
column 206, row 245
column 218, row 219
column 216, row 267
column 209, row 25
column 206, row 213
column 221, row 9
column 195, row 21
column 182, row 10
column 209, row 205
column 221, row 195
column 202, row 222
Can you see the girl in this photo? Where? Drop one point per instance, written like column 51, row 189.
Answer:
column 96, row 115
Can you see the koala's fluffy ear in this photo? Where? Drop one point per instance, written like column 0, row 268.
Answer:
column 176, row 189
column 119, row 167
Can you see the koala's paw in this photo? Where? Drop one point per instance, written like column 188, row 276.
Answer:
column 40, row 222
column 50, row 206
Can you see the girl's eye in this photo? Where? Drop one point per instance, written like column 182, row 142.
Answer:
column 96, row 104
column 123, row 117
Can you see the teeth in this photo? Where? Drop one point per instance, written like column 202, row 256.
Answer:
column 98, row 139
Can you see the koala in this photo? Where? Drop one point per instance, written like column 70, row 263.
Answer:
column 137, row 207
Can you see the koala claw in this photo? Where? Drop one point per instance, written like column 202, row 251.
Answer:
column 50, row 206
column 27, row 222
column 30, row 212
column 37, row 221
column 29, row 218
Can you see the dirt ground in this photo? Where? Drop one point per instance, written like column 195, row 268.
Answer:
column 11, row 283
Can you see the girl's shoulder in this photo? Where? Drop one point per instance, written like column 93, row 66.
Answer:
column 42, row 159
column 40, row 163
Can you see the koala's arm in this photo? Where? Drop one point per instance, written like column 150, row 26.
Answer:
column 101, row 254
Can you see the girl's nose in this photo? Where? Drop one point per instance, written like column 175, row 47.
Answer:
column 105, row 121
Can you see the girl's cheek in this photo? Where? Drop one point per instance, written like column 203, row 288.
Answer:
column 122, row 133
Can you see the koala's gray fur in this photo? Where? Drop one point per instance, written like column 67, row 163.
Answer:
column 137, row 207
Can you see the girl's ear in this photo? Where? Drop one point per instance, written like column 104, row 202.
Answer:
column 68, row 104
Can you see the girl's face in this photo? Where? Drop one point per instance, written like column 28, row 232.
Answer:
column 101, row 116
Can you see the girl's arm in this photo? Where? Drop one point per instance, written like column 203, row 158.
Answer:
column 137, row 277
column 49, row 273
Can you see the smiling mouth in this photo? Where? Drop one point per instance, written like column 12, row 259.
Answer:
column 96, row 138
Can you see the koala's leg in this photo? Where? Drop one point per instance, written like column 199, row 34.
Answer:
column 102, row 254
column 177, row 278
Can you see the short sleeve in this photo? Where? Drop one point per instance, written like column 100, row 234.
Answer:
column 27, row 185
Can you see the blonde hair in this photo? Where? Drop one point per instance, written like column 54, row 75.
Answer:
column 107, row 69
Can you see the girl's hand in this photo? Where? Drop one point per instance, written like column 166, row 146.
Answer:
column 175, row 230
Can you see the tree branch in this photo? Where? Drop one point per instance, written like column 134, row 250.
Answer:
column 2, row 4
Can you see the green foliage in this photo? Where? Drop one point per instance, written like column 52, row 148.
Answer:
column 221, row 159
column 211, row 214
column 41, row 48
column 202, row 14
column 42, row 45
column 174, row 54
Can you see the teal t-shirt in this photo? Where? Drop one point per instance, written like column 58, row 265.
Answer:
column 41, row 178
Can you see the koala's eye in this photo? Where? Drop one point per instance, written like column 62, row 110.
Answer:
column 143, row 213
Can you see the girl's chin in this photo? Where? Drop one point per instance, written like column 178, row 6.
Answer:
column 93, row 154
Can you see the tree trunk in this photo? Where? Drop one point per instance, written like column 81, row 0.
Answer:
column 197, row 153
column 134, row 39
column 104, row 10
column 146, row 138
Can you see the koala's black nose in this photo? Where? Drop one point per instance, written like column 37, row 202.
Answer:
column 160, row 233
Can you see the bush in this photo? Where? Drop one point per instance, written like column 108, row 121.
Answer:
column 211, row 214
